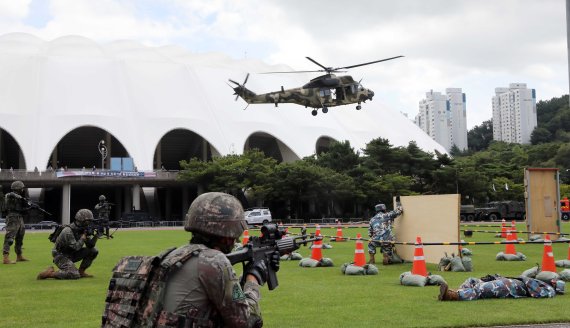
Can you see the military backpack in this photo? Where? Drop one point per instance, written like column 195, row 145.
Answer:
column 135, row 296
column 56, row 232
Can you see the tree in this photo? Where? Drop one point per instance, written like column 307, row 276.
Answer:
column 480, row 136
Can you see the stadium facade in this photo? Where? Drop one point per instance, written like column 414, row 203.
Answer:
column 61, row 99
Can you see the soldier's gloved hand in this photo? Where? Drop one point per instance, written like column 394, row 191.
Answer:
column 90, row 242
column 258, row 269
column 274, row 261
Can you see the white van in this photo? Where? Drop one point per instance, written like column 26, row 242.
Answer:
column 258, row 215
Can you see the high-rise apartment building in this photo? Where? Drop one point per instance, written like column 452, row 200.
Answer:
column 444, row 118
column 514, row 113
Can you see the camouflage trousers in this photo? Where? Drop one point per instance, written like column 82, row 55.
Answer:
column 473, row 289
column 15, row 231
column 65, row 262
column 385, row 248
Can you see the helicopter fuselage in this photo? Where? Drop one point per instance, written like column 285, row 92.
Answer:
column 322, row 92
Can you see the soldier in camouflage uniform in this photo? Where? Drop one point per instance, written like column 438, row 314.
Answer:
column 73, row 245
column 103, row 209
column 500, row 287
column 205, row 291
column 1, row 201
column 380, row 230
column 16, row 207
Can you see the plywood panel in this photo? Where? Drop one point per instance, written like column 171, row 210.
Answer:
column 542, row 195
column 434, row 218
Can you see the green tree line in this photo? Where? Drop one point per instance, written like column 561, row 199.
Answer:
column 344, row 182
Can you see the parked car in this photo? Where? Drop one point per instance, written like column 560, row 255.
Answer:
column 42, row 225
column 2, row 224
column 259, row 215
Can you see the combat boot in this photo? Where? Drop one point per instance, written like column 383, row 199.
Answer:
column 386, row 260
column 7, row 259
column 21, row 258
column 372, row 260
column 47, row 273
column 446, row 294
column 84, row 274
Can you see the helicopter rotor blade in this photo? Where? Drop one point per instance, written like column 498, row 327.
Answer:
column 245, row 81
column 232, row 81
column 292, row 72
column 372, row 62
column 327, row 69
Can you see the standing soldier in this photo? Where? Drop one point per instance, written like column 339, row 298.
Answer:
column 103, row 209
column 1, row 201
column 16, row 207
column 73, row 245
column 380, row 230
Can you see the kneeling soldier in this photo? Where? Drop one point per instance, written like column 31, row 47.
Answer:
column 73, row 245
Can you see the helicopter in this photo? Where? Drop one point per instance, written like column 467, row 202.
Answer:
column 321, row 92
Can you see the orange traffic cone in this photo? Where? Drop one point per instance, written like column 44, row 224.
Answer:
column 245, row 238
column 548, row 256
column 359, row 258
column 339, row 232
column 419, row 265
column 317, row 230
column 514, row 230
column 503, row 229
column 317, row 249
column 510, row 248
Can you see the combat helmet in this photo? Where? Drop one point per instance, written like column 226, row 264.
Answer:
column 380, row 207
column 102, row 198
column 82, row 217
column 216, row 213
column 17, row 185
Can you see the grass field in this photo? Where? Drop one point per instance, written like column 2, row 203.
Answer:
column 306, row 297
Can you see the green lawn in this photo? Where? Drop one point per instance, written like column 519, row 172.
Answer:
column 306, row 297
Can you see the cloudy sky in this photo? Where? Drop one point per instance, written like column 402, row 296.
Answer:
column 473, row 45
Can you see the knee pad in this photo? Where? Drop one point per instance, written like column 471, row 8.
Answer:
column 10, row 241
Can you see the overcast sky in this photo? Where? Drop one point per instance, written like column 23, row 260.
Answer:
column 474, row 45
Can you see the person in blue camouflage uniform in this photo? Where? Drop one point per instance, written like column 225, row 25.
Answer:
column 500, row 287
column 15, row 207
column 73, row 245
column 380, row 230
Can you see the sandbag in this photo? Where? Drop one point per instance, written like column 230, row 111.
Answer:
column 294, row 256
column 354, row 270
column 467, row 263
column 308, row 263
column 435, row 279
column 396, row 259
column 466, row 252
column 325, row 262
column 532, row 272
column 501, row 256
column 546, row 276
column 562, row 263
column 535, row 238
column 415, row 280
column 564, row 275
column 444, row 263
column 457, row 265
column 371, row 269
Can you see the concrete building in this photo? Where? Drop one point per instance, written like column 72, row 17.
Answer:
column 443, row 118
column 514, row 113
column 63, row 101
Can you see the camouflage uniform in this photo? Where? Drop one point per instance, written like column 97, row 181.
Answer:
column 16, row 207
column 103, row 210
column 68, row 249
column 380, row 230
column 206, row 292
column 474, row 288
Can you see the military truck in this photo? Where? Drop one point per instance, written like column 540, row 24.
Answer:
column 467, row 213
column 496, row 211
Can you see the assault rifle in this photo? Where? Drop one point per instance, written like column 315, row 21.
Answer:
column 261, row 248
column 31, row 204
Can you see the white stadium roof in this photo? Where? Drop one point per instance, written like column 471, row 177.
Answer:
column 138, row 94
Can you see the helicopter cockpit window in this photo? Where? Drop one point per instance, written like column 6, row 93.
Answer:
column 325, row 92
column 353, row 88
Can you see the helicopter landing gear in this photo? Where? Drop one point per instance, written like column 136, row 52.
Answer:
column 314, row 112
column 325, row 109
column 358, row 107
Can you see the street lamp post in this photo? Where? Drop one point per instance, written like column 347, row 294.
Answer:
column 103, row 151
